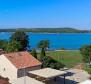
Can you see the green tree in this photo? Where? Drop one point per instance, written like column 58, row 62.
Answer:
column 22, row 38
column 86, row 53
column 34, row 53
column 43, row 44
column 12, row 46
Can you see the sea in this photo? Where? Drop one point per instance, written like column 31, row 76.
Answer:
column 69, row 41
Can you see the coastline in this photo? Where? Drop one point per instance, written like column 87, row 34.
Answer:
column 68, row 41
column 48, row 32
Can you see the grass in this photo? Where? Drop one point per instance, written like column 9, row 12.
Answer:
column 69, row 58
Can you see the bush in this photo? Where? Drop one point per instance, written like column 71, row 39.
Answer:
column 86, row 53
column 49, row 62
column 88, row 69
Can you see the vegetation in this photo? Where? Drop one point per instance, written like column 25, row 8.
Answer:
column 47, row 30
column 68, row 58
column 56, row 59
column 34, row 53
column 46, row 60
column 49, row 62
column 3, row 43
column 18, row 42
column 12, row 46
column 43, row 44
column 22, row 38
column 88, row 69
column 42, row 53
column 86, row 53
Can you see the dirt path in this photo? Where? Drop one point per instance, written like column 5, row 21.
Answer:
column 79, row 66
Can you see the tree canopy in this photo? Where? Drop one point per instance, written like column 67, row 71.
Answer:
column 12, row 46
column 43, row 44
column 18, row 42
column 22, row 38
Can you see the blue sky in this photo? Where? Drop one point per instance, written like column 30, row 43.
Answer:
column 45, row 13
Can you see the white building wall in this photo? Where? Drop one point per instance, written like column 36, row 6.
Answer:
column 7, row 69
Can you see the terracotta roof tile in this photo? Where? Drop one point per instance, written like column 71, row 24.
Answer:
column 22, row 59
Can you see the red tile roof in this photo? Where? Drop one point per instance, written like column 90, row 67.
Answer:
column 22, row 59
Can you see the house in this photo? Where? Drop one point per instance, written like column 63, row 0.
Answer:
column 17, row 64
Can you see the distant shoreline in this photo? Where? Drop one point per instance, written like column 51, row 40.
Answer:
column 48, row 33
column 47, row 30
column 66, row 50
column 57, row 50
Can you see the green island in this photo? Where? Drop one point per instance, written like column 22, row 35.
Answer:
column 47, row 30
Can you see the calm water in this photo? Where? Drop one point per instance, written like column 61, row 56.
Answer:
column 57, row 41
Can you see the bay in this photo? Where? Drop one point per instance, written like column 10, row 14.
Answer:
column 71, row 41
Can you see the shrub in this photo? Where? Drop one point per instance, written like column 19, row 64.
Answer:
column 49, row 62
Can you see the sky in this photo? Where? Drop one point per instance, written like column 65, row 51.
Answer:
column 45, row 13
